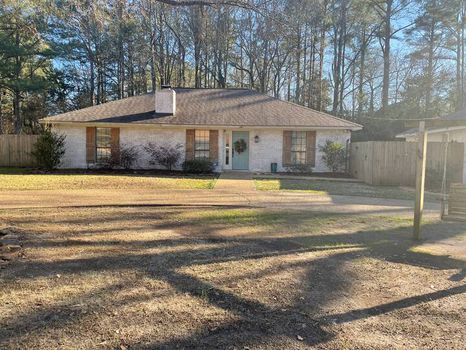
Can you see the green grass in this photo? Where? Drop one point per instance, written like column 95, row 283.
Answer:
column 322, row 187
column 255, row 217
column 19, row 179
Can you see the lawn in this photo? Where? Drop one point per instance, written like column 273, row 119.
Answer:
column 231, row 278
column 323, row 187
column 22, row 179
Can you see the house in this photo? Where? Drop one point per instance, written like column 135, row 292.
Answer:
column 237, row 129
column 456, row 133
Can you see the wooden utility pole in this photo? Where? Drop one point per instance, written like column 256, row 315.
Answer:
column 445, row 140
column 420, row 179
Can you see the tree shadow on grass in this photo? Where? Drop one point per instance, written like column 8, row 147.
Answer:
column 256, row 323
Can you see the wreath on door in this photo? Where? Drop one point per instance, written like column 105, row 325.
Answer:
column 240, row 146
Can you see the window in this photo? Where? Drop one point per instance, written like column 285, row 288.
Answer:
column 227, row 148
column 103, row 149
column 201, row 144
column 298, row 147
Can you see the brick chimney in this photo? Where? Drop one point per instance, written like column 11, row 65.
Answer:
column 165, row 100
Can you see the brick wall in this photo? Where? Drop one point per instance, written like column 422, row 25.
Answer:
column 261, row 154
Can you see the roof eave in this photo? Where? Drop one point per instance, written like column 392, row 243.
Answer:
column 170, row 125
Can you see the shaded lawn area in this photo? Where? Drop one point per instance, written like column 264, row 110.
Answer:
column 22, row 179
column 322, row 187
column 214, row 277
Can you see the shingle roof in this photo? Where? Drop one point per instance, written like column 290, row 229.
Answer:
column 458, row 116
column 215, row 107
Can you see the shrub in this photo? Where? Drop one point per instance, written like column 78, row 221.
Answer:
column 128, row 156
column 125, row 159
column 49, row 149
column 198, row 166
column 334, row 155
column 299, row 168
column 166, row 155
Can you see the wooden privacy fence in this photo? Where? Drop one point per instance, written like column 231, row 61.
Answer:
column 457, row 202
column 15, row 150
column 394, row 162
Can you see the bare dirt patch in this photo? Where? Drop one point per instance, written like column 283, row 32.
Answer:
column 10, row 246
column 151, row 277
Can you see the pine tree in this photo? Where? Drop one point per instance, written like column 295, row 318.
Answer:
column 24, row 55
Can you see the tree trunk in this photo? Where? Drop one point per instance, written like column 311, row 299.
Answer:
column 298, row 66
column 361, row 74
column 386, row 54
column 92, row 83
column 1, row 113
column 430, row 67
column 459, row 97
column 16, row 91
column 17, row 111
column 321, row 62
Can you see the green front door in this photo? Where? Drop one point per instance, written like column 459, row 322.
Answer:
column 240, row 159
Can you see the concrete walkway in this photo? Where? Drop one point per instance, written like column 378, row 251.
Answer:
column 304, row 177
column 235, row 181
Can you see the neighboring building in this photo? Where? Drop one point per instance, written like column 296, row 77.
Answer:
column 208, row 123
column 456, row 133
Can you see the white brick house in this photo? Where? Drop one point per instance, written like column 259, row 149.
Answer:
column 210, row 123
column 456, row 134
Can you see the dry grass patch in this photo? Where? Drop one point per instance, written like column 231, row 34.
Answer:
column 322, row 187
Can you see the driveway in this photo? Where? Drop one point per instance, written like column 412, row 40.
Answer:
column 217, row 197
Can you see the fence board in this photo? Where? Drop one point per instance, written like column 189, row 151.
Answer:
column 394, row 162
column 15, row 150
column 457, row 202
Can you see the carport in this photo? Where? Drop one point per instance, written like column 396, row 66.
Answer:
column 459, row 200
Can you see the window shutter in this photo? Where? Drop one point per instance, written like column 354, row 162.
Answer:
column 115, row 144
column 213, row 145
column 90, row 145
column 286, row 147
column 189, row 144
column 311, row 148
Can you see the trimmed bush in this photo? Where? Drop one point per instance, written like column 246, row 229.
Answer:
column 334, row 156
column 299, row 168
column 128, row 156
column 49, row 149
column 166, row 155
column 198, row 166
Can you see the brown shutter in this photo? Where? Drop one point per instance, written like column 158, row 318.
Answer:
column 190, row 144
column 213, row 145
column 286, row 147
column 311, row 148
column 115, row 144
column 90, row 145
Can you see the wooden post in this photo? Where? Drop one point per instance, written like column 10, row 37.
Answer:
column 347, row 157
column 445, row 140
column 420, row 179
